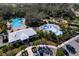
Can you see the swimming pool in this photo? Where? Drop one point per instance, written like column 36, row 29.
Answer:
column 51, row 27
column 16, row 22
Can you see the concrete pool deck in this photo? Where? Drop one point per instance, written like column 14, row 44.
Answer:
column 51, row 27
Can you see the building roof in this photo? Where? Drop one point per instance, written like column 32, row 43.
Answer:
column 21, row 34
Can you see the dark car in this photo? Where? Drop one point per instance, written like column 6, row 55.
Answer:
column 70, row 48
column 40, row 49
column 50, row 51
column 65, row 52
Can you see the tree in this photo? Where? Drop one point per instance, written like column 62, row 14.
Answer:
column 53, row 36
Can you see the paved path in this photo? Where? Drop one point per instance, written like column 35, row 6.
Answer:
column 30, row 51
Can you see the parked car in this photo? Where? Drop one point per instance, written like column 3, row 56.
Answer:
column 65, row 52
column 71, row 49
column 40, row 49
column 50, row 51
column 45, row 51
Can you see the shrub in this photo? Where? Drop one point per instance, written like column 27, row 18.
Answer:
column 34, row 49
column 22, row 47
column 1, row 52
column 12, row 52
column 7, row 48
column 16, row 50
column 24, row 53
column 4, row 49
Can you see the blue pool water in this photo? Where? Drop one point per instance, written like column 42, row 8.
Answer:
column 16, row 22
column 52, row 27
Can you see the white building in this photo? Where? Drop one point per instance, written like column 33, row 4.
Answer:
column 21, row 34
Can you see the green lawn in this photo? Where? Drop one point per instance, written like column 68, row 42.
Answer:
column 59, row 52
column 9, row 50
column 43, row 41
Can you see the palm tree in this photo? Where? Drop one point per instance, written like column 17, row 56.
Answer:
column 40, row 35
column 53, row 35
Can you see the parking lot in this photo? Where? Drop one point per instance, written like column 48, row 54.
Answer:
column 75, row 45
column 72, row 42
column 29, row 50
column 53, row 49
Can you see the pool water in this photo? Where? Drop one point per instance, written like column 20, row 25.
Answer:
column 16, row 22
column 52, row 27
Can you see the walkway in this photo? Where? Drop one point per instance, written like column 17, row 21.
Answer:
column 30, row 51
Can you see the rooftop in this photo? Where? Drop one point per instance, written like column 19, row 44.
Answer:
column 21, row 34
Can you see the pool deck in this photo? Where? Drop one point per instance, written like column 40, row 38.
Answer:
column 51, row 27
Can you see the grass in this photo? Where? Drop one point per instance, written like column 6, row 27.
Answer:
column 37, row 42
column 43, row 41
column 59, row 52
column 51, row 43
column 9, row 50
